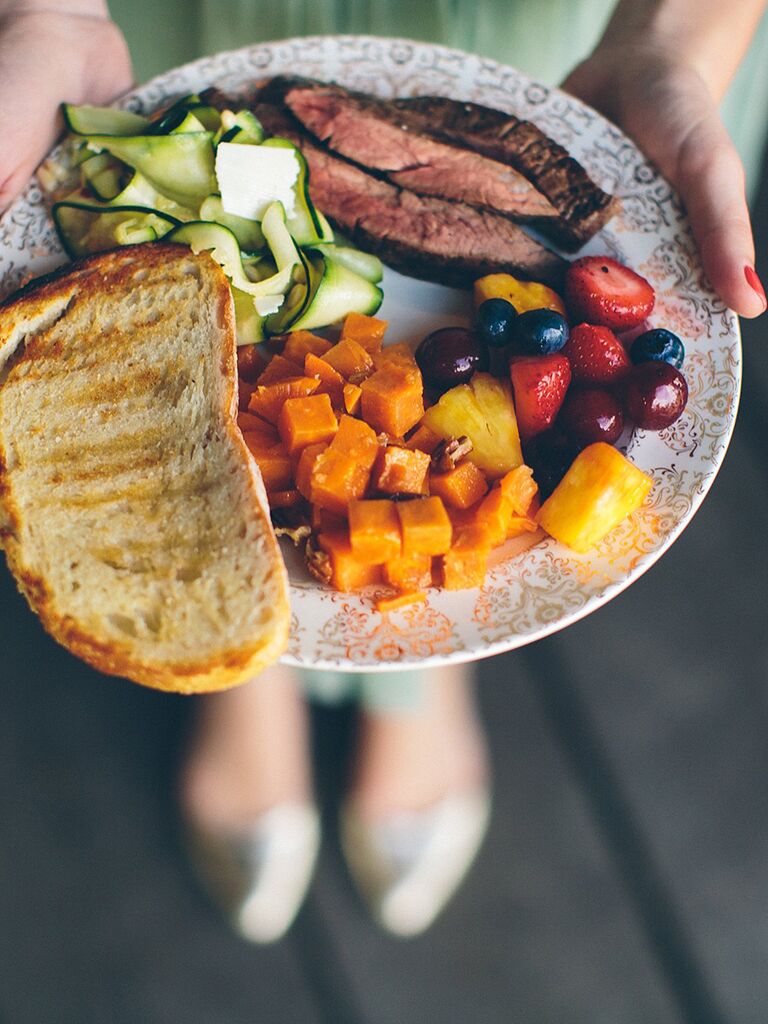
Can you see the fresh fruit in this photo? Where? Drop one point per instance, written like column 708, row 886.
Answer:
column 523, row 295
column 482, row 411
column 596, row 355
column 450, row 356
column 550, row 456
column 592, row 414
column 655, row 395
column 538, row 332
column 600, row 489
column 601, row 290
column 494, row 321
column 539, row 384
column 658, row 344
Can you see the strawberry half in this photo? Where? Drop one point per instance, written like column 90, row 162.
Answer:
column 602, row 291
column 596, row 355
column 539, row 384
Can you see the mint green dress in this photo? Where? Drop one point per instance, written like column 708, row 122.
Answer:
column 544, row 38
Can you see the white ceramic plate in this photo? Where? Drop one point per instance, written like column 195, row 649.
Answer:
column 546, row 587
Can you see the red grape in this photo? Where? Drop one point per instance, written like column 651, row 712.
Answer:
column 655, row 395
column 591, row 414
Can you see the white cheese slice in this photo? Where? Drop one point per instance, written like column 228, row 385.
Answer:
column 266, row 304
column 252, row 177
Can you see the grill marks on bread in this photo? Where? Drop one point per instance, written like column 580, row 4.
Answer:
column 135, row 521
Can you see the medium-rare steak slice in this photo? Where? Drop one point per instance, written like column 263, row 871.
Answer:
column 583, row 207
column 449, row 243
column 369, row 132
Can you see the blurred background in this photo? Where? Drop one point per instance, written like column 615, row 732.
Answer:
column 625, row 876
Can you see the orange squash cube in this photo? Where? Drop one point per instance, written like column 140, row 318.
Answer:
column 409, row 572
column 304, row 421
column 304, row 467
column 275, row 466
column 244, row 392
column 248, row 421
column 393, row 399
column 400, row 470
column 374, row 531
column 337, row 478
column 250, row 363
column 396, row 355
column 425, row 526
column 493, row 516
column 367, row 331
column 299, row 343
column 348, row 573
column 350, row 359
column 424, row 439
column 459, row 487
column 283, row 499
column 466, row 564
column 267, row 401
column 279, row 368
column 395, row 601
column 331, row 382
column 321, row 520
column 520, row 489
column 357, row 439
column 351, row 396
column 600, row 489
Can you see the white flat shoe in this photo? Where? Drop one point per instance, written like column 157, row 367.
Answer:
column 259, row 874
column 408, row 866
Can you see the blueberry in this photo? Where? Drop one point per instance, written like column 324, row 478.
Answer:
column 494, row 322
column 539, row 332
column 658, row 344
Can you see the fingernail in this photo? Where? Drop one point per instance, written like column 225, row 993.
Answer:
column 755, row 284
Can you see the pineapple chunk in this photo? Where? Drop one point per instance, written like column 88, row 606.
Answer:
column 597, row 492
column 482, row 411
column 523, row 295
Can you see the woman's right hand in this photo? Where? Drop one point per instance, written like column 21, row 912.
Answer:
column 49, row 54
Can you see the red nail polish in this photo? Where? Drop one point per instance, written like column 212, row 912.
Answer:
column 754, row 283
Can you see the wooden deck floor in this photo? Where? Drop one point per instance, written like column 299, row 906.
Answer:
column 624, row 881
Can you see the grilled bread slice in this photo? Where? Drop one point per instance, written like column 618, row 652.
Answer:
column 131, row 512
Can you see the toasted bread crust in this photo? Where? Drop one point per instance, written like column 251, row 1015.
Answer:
column 45, row 301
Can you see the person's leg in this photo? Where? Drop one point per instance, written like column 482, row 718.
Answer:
column 249, row 752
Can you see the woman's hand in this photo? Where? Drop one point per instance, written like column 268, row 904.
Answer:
column 669, row 110
column 48, row 56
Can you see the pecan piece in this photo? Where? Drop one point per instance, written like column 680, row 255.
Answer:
column 449, row 454
column 318, row 562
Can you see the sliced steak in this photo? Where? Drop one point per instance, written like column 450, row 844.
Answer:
column 583, row 207
column 434, row 239
column 369, row 132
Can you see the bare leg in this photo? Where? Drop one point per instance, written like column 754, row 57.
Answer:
column 409, row 760
column 249, row 752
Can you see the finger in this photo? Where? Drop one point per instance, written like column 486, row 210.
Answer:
column 710, row 179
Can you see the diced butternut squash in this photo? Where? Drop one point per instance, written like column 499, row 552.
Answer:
column 304, row 421
column 396, row 355
column 483, row 411
column 351, row 395
column 331, row 381
column 459, row 487
column 523, row 295
column 337, row 478
column 466, row 564
column 305, row 466
column 393, row 399
column 425, row 526
column 520, row 489
column 347, row 572
column 358, row 440
column 600, row 489
column 283, row 499
column 321, row 519
column 275, row 466
column 280, row 368
column 409, row 572
column 250, row 363
column 396, row 601
column 374, row 531
column 350, row 359
column 367, row 331
column 244, row 392
column 493, row 516
column 299, row 343
column 249, row 421
column 424, row 439
column 518, row 525
column 400, row 471
column 268, row 401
